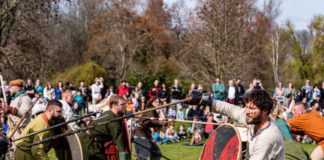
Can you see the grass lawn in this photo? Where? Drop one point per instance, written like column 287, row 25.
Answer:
column 178, row 151
column 308, row 147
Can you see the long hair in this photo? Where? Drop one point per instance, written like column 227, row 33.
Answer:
column 277, row 110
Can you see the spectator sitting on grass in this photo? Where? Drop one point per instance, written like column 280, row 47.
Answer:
column 182, row 134
column 156, row 135
column 170, row 135
column 196, row 138
column 195, row 125
column 180, row 114
column 162, row 136
column 171, row 112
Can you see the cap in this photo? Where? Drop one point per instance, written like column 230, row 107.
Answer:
column 17, row 82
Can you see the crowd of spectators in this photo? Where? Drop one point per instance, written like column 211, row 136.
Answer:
column 90, row 98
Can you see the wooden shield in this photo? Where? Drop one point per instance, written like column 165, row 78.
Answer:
column 223, row 144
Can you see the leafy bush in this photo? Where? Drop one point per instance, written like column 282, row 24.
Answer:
column 87, row 72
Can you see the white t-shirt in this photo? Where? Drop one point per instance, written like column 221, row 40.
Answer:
column 96, row 91
column 231, row 93
column 67, row 110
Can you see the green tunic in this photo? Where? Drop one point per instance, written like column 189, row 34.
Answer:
column 39, row 152
column 104, row 133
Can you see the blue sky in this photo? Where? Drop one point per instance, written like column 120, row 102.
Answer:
column 299, row 12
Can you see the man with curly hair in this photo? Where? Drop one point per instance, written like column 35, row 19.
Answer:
column 264, row 138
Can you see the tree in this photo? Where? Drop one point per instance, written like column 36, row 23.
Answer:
column 123, row 41
column 317, row 30
column 277, row 49
column 305, row 58
column 27, row 45
column 227, row 41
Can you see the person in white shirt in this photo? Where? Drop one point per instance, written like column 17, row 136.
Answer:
column 264, row 139
column 49, row 92
column 96, row 91
column 67, row 100
column 232, row 94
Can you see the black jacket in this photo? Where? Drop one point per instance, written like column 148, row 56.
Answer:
column 176, row 92
column 241, row 90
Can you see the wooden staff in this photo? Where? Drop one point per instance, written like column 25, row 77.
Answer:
column 55, row 126
column 5, row 102
column 23, row 118
column 200, row 122
column 4, row 97
column 110, row 121
column 3, row 90
column 186, row 121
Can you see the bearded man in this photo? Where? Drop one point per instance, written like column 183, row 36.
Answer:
column 110, row 141
column 265, row 140
column 45, row 120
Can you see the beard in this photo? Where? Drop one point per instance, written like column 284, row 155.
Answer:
column 255, row 120
column 57, row 120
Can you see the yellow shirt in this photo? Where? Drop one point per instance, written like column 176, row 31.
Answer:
column 37, row 151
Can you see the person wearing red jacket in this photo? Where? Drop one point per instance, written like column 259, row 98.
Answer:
column 123, row 90
column 154, row 91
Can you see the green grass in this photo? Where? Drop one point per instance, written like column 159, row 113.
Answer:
column 178, row 151
column 308, row 147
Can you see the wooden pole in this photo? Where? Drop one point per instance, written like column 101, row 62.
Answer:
column 3, row 90
column 4, row 98
column 23, row 118
column 186, row 121
column 55, row 126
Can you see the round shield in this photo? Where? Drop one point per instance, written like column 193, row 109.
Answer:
column 75, row 146
column 223, row 144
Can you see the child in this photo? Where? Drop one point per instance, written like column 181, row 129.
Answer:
column 156, row 135
column 196, row 138
column 180, row 114
column 182, row 134
column 170, row 135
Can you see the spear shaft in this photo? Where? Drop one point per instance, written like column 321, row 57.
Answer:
column 55, row 126
column 107, row 122
column 23, row 118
